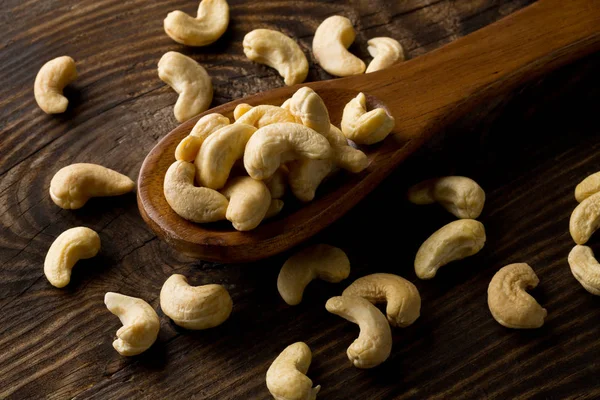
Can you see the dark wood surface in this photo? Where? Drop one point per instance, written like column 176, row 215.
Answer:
column 528, row 152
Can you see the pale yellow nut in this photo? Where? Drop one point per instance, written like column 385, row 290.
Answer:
column 264, row 115
column 72, row 186
column 286, row 104
column 588, row 187
column 364, row 127
column 385, row 52
column 209, row 25
column 188, row 148
column 249, row 201
column 286, row 377
column 319, row 261
column 330, row 44
column 306, row 175
column 274, row 208
column 346, row 156
column 374, row 343
column 69, row 247
column 194, row 307
column 454, row 241
column 508, row 301
column 196, row 204
column 50, row 82
column 585, row 219
column 277, row 182
column 140, row 323
column 191, row 82
column 308, row 108
column 585, row 268
column 460, row 195
column 273, row 48
column 402, row 297
column 219, row 152
column 281, row 142
column 240, row 110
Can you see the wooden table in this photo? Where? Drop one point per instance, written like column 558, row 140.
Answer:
column 528, row 151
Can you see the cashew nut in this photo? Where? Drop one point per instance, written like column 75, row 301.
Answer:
column 460, row 195
column 509, row 303
column 249, row 201
column 330, row 44
column 264, row 115
column 286, row 377
column 585, row 268
column 72, row 186
column 190, row 80
column 188, row 148
column 374, row 343
column 306, row 175
column 196, row 204
column 272, row 143
column 219, row 152
column 585, row 219
column 286, row 104
column 274, row 208
column 273, row 48
column 208, row 26
column 319, row 261
column 277, row 182
column 194, row 307
column 240, row 110
column 385, row 52
column 309, row 109
column 364, row 127
column 50, row 82
column 346, row 156
column 588, row 187
column 402, row 297
column 454, row 241
column 69, row 247
column 140, row 323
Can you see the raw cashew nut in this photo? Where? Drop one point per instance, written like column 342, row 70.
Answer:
column 274, row 208
column 72, row 186
column 588, row 187
column 374, row 343
column 319, row 261
column 277, row 182
column 194, row 307
column 209, row 25
column 140, row 323
column 460, row 195
column 190, row 80
column 385, row 52
column 364, row 127
column 509, row 303
column 585, row 268
column 249, row 201
column 69, row 247
column 309, row 109
column 273, row 48
column 50, row 82
column 454, row 241
column 286, row 104
column 330, row 44
column 196, row 204
column 188, row 148
column 402, row 297
column 219, row 152
column 240, row 110
column 272, row 143
column 306, row 175
column 286, row 377
column 585, row 219
column 264, row 115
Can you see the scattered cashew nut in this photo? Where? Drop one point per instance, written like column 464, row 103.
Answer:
column 249, row 201
column 50, row 82
column 509, row 303
column 585, row 219
column 385, row 52
column 188, row 148
column 585, row 268
column 209, row 25
column 588, row 187
column 286, row 377
column 264, row 115
column 364, row 127
column 330, row 44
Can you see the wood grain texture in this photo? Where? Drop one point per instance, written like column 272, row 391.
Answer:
column 56, row 344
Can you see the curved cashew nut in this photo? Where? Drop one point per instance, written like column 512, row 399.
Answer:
column 460, row 195
column 286, row 104
column 240, row 110
column 188, row 148
column 374, row 343
column 72, row 186
column 209, row 25
column 588, row 187
column 286, row 377
column 365, row 127
column 346, row 156
column 219, row 152
column 249, row 201
column 264, row 115
column 454, row 241
column 273, row 48
column 196, row 204
column 306, row 175
column 190, row 80
column 330, row 44
column 319, row 261
column 266, row 147
column 509, row 303
column 309, row 109
column 140, row 323
column 277, row 182
column 585, row 219
column 274, row 208
column 585, row 268
column 50, row 82
column 69, row 247
column 402, row 297
column 194, row 307
column 385, row 52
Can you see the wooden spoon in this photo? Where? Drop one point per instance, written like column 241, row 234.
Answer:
column 424, row 95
